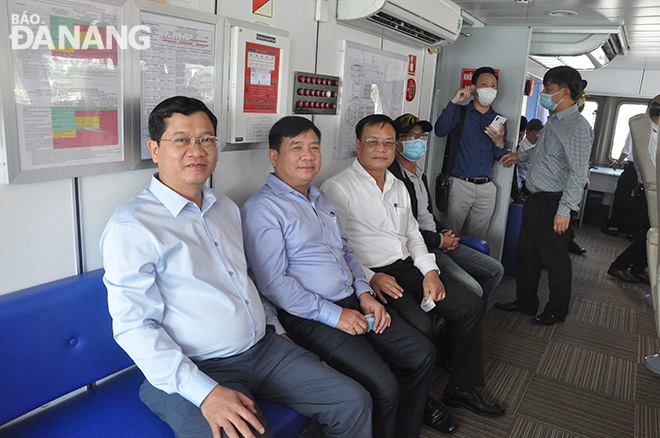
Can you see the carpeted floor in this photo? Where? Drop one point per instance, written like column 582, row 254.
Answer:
column 581, row 378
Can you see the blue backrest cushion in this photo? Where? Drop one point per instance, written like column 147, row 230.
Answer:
column 55, row 338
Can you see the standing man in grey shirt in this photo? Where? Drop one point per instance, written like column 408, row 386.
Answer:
column 558, row 169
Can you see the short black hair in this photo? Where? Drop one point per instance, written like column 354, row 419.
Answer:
column 523, row 123
column 565, row 76
column 534, row 125
column 481, row 70
column 654, row 109
column 177, row 104
column 371, row 120
column 289, row 127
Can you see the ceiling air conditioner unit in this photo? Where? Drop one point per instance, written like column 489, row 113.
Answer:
column 418, row 23
column 583, row 49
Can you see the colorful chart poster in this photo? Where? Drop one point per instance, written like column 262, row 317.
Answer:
column 262, row 69
column 68, row 91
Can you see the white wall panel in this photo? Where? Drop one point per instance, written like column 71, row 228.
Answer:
column 37, row 231
column 99, row 197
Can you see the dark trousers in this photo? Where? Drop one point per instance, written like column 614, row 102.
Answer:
column 275, row 370
column 540, row 247
column 634, row 256
column 395, row 367
column 462, row 310
column 625, row 185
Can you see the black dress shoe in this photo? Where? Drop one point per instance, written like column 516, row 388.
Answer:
column 622, row 275
column 438, row 417
column 611, row 231
column 514, row 306
column 547, row 319
column 575, row 248
column 641, row 276
column 472, row 399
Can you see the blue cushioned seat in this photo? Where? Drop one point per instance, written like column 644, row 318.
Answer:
column 56, row 339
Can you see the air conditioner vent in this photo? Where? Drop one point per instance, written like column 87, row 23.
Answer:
column 402, row 27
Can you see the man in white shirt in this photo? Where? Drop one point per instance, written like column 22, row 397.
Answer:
column 375, row 212
column 185, row 310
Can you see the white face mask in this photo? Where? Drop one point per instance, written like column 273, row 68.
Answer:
column 486, row 96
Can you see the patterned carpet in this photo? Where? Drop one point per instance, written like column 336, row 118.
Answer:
column 581, row 378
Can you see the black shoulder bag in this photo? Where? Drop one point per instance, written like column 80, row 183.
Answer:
column 442, row 180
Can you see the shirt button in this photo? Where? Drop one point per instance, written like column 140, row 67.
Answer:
column 247, row 301
column 216, row 243
column 231, row 273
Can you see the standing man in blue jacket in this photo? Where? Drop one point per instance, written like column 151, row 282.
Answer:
column 472, row 193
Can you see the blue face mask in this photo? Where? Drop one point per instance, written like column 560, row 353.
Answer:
column 546, row 101
column 413, row 150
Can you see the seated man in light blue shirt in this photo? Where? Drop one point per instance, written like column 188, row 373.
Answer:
column 185, row 310
column 302, row 263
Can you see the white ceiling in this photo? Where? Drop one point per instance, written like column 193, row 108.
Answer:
column 640, row 20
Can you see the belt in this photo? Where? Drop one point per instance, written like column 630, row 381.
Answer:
column 545, row 194
column 480, row 180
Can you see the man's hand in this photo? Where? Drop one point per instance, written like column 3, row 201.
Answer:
column 384, row 284
column 433, row 287
column 352, row 322
column 462, row 94
column 616, row 164
column 509, row 159
column 382, row 319
column 496, row 136
column 230, row 411
column 449, row 241
column 561, row 224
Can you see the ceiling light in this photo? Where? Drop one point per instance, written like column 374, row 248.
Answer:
column 562, row 13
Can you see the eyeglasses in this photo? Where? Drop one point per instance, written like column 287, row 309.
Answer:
column 406, row 137
column 187, row 141
column 373, row 143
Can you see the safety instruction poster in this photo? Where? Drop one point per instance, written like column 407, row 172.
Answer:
column 262, row 70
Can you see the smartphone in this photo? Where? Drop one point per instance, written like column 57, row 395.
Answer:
column 497, row 122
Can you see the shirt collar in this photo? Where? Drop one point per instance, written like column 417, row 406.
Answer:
column 566, row 112
column 280, row 188
column 173, row 201
column 389, row 177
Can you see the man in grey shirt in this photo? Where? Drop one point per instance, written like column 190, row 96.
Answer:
column 558, row 170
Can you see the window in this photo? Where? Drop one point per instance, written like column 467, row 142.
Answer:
column 621, row 129
column 589, row 112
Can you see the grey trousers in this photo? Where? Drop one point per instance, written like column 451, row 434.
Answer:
column 470, row 207
column 279, row 371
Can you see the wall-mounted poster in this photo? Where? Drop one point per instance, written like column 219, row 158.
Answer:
column 374, row 83
column 262, row 70
column 257, row 63
column 67, row 61
column 181, row 61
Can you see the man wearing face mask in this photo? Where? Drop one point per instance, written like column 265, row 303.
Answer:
column 558, row 171
column 471, row 191
column 461, row 268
